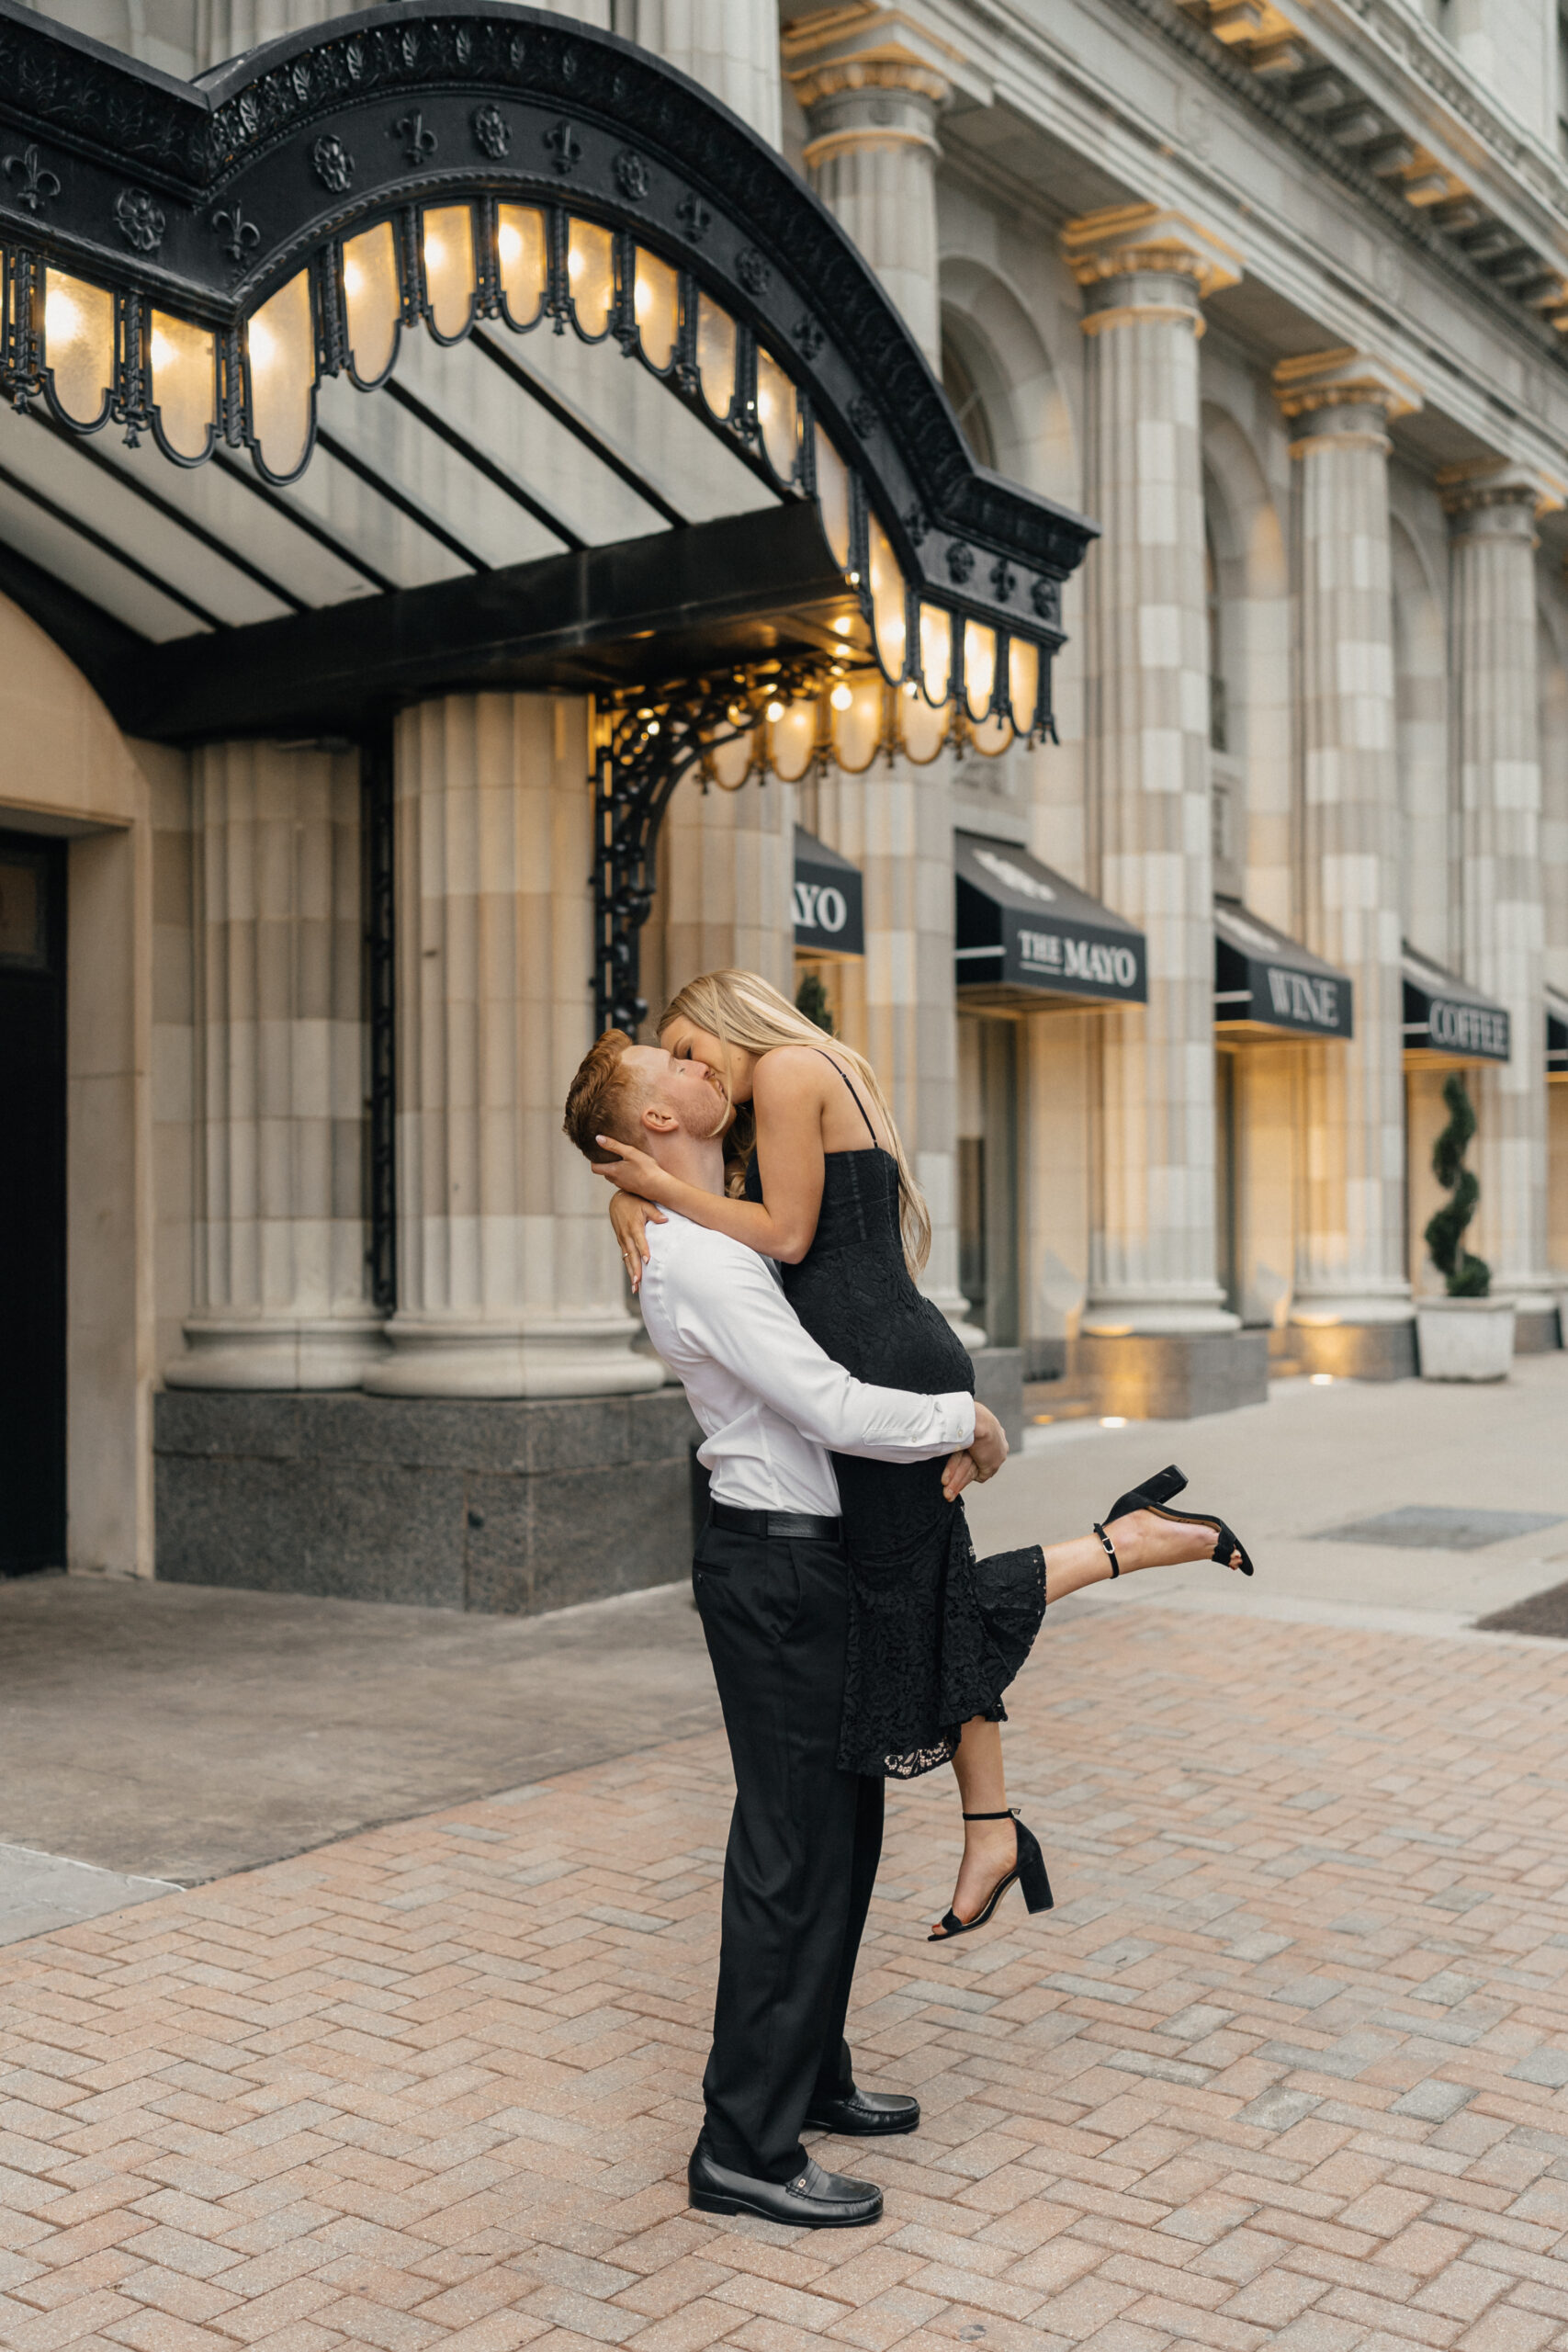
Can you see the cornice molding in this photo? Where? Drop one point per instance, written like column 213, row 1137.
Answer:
column 1173, row 25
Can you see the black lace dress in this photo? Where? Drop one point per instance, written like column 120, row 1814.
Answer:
column 935, row 1636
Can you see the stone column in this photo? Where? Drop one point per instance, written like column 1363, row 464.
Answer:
column 731, row 47
column 1492, row 518
column 871, row 95
column 279, row 1287
column 508, row 1280
column 1351, row 1308
column 1156, row 1333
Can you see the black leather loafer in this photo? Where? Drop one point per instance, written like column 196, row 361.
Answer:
column 814, row 2199
column 864, row 2115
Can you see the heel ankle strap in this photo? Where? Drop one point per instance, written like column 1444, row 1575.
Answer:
column 1010, row 1814
column 1110, row 1549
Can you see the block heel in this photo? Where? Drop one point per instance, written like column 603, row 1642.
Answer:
column 1028, row 1872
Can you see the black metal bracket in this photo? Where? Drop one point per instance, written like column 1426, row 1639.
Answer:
column 655, row 737
column 376, row 772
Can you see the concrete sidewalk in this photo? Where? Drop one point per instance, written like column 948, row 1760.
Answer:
column 1284, row 2068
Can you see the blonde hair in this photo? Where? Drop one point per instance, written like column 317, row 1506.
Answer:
column 742, row 1009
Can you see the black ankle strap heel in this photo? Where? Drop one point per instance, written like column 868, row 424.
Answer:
column 1029, row 1871
column 1152, row 1495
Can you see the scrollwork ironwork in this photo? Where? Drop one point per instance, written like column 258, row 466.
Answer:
column 655, row 737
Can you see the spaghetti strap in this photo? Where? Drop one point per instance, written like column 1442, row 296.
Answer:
column 859, row 1106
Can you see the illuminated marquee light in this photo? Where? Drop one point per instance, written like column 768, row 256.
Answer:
column 100, row 352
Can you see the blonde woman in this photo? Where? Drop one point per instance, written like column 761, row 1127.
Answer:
column 818, row 1181
column 935, row 1637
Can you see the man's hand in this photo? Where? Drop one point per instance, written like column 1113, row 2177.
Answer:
column 989, row 1444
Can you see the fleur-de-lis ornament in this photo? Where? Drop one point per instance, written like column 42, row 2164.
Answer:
column 565, row 147
column 244, row 234
column 418, row 142
column 37, row 182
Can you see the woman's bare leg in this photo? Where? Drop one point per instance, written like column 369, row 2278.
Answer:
column 991, row 1849
column 1142, row 1541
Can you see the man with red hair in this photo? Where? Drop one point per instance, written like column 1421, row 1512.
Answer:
column 771, row 1582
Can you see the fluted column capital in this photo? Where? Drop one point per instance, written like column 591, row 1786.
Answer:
column 1491, row 499
column 1145, row 261
column 1342, row 396
column 867, row 75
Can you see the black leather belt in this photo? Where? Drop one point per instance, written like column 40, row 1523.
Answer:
column 788, row 1526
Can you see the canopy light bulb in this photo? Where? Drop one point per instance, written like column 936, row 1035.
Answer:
column 511, row 244
column 841, row 698
column 653, row 726
column 62, row 319
column 1323, row 1380
column 1113, row 1421
column 842, row 625
column 776, row 712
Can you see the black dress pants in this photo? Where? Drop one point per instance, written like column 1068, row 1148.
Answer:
column 805, row 1840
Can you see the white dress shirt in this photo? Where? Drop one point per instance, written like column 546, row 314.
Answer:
column 770, row 1401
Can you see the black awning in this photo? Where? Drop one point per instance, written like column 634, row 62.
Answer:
column 1448, row 1021
column 1265, row 981
column 1025, row 936
column 1556, row 1035
column 830, row 900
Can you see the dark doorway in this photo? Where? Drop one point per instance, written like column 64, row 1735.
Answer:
column 32, row 1203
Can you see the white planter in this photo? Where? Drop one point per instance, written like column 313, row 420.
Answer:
column 1465, row 1338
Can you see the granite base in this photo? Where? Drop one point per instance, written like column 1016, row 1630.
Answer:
column 1355, row 1351
column 507, row 1506
column 1174, row 1376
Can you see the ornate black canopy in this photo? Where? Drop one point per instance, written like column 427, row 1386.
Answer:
column 203, row 200
column 194, row 265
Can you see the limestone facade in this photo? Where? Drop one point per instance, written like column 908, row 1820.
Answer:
column 1273, row 302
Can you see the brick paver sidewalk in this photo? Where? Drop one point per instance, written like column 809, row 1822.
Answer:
column 1286, row 2067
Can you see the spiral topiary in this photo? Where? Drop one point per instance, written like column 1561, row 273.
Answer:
column 1466, row 1277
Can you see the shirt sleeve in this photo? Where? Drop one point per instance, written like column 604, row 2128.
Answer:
column 732, row 1309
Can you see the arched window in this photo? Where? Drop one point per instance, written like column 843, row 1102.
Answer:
column 958, row 383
